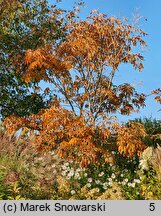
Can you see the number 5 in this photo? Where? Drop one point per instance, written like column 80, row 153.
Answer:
column 152, row 207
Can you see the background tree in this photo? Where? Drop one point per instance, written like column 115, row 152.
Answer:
column 153, row 131
column 25, row 24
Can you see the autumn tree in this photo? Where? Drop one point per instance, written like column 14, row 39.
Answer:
column 84, row 66
column 82, row 71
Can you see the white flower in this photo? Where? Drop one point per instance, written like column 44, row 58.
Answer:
column 105, row 184
column 71, row 173
column 126, row 180
column 63, row 173
column 72, row 192
column 110, row 179
column 98, row 190
column 113, row 152
column 68, row 177
column 64, row 167
column 110, row 183
column 104, row 187
column 133, row 184
column 90, row 180
column 85, row 174
column 97, row 181
column 129, row 184
column 76, row 176
column 113, row 176
column 101, row 174
column 88, row 185
column 122, row 175
column 68, row 169
column 137, row 181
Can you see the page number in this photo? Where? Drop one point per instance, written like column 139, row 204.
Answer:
column 152, row 206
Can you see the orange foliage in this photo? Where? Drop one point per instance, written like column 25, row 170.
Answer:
column 60, row 129
column 40, row 60
column 101, row 41
column 129, row 139
column 13, row 124
column 94, row 48
column 157, row 92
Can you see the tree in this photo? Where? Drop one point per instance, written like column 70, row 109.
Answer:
column 82, row 70
column 153, row 131
column 25, row 24
column 84, row 66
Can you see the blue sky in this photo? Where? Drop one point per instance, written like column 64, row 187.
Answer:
column 150, row 77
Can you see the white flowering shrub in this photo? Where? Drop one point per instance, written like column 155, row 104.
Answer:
column 146, row 158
